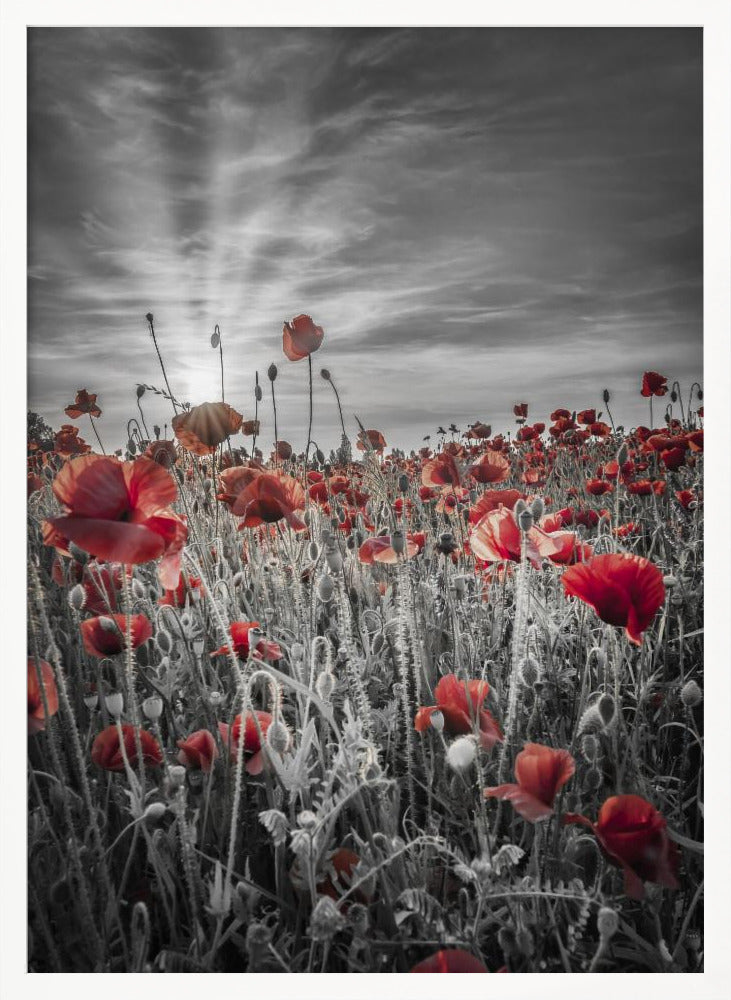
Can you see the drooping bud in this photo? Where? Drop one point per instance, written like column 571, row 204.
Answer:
column 605, row 396
column 538, row 508
column 78, row 554
column 592, row 779
column 607, row 708
column 333, row 558
column 278, row 737
column 272, row 372
column 155, row 812
column 163, row 641
column 325, row 685
column 525, row 520
column 398, row 541
column 77, row 597
column 324, row 373
column 325, row 588
column 691, row 694
column 622, row 455
column 590, row 747
column 403, row 483
column 529, row 670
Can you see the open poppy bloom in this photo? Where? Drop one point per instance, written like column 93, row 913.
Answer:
column 442, row 470
column 106, row 636
column 162, row 452
column 654, row 384
column 106, row 750
column 202, row 428
column 633, row 835
column 491, row 500
column 586, row 416
column 117, row 511
column 571, row 550
column 492, row 468
column 460, row 702
column 270, row 497
column 479, row 430
column 597, row 487
column 301, row 337
column 233, row 481
column 241, row 635
column 450, row 960
column 176, row 597
column 198, row 751
column 253, row 756
column 372, row 439
column 623, row 589
column 85, row 403
column 37, row 717
column 521, row 410
column 340, row 869
column 66, row 442
column 496, row 537
column 541, row 772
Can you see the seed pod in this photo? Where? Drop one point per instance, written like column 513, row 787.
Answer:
column 592, row 779
column 525, row 520
column 325, row 588
column 163, row 641
column 91, row 701
column 152, row 707
column 590, row 747
column 607, row 708
column 272, row 372
column 333, row 559
column 115, row 704
column 398, row 542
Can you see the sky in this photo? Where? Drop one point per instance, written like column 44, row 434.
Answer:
column 476, row 217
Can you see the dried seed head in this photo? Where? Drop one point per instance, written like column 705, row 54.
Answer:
column 152, row 707
column 326, row 920
column 691, row 694
column 307, row 820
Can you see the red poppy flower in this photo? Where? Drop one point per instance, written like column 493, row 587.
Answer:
column 162, row 452
column 253, row 756
column 106, row 636
column 586, row 416
column 102, row 583
column 37, row 717
column 460, row 702
column 202, row 428
column 67, row 443
column 450, row 960
column 640, row 488
column 633, row 835
column 695, row 440
column 372, row 439
column 117, row 511
column 600, row 429
column 623, row 589
column 685, row 498
column 301, row 337
column 85, row 403
column 541, row 772
column 233, row 481
column 673, row 458
column 480, row 431
column 571, row 548
column 496, row 537
column 175, row 597
column 265, row 649
column 442, row 470
column 106, row 750
column 271, row 497
column 251, row 428
column 385, row 553
column 561, row 414
column 597, row 487
column 654, row 384
column 198, row 751
column 341, row 865
column 521, row 410
column 492, row 468
column 527, row 434
column 491, row 500
column 35, row 483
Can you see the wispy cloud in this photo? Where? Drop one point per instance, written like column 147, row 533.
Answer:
column 472, row 216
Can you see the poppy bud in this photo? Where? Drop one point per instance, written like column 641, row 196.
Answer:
column 215, row 698
column 506, row 940
column 258, row 393
column 403, row 483
column 520, row 506
column 114, row 703
column 156, row 430
column 333, row 558
column 590, row 747
column 177, row 776
column 358, row 919
column 152, row 707
column 525, row 520
column 537, row 508
column 607, row 923
column 529, row 670
column 139, row 591
column 378, row 643
column 215, row 339
column 277, row 736
column 325, row 588
column 155, row 811
column 461, row 753
column 107, row 624
column 307, row 820
column 77, row 597
column 622, row 455
column 77, row 554
column 325, row 685
column 591, row 721
column 669, row 582
column 436, row 721
column 326, row 920
column 324, row 373
column 606, row 706
column 131, row 447
column 592, row 779
column 238, row 579
column 691, row 695
column 272, row 372
column 398, row 542
column 320, row 456
column 148, row 317
column 163, row 641
column 674, row 396
column 605, row 396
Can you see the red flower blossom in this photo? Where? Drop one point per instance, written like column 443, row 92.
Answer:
column 254, row 758
column 600, row 429
column 372, row 439
column 597, row 487
column 117, row 511
column 460, row 702
column 175, row 597
column 162, row 452
column 541, row 773
column 37, row 717
column 198, row 751
column 204, row 427
column 640, row 488
column 654, row 384
column 695, row 440
column 301, row 337
column 450, row 960
column 250, row 428
column 633, row 835
column 685, row 498
column 106, row 750
column 492, row 468
column 491, row 500
column 265, row 649
column 102, row 583
column 107, row 636
column 270, row 497
column 479, row 430
column 673, row 458
column 85, row 403
column 586, row 416
column 561, row 414
column 442, row 470
column 521, row 410
column 571, row 549
column 496, row 537
column 67, row 442
column 623, row 589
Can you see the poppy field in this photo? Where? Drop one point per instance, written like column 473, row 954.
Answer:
column 370, row 711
